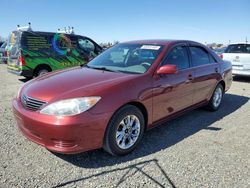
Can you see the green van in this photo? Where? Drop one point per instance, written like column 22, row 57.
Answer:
column 33, row 53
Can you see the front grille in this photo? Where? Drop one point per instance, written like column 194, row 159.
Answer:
column 31, row 103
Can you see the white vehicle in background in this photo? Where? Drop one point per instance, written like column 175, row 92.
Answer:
column 239, row 55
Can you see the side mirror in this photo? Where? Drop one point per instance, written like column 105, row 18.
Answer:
column 167, row 69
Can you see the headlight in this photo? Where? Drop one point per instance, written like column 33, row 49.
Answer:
column 70, row 107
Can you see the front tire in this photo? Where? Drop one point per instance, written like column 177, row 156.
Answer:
column 124, row 131
column 216, row 98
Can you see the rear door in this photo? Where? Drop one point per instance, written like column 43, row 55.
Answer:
column 206, row 72
column 13, row 49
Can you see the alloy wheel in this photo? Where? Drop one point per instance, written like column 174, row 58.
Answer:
column 128, row 132
column 217, row 97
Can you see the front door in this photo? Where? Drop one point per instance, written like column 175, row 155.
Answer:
column 173, row 92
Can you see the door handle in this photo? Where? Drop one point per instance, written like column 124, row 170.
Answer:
column 189, row 78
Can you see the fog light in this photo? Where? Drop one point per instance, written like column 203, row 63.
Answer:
column 63, row 143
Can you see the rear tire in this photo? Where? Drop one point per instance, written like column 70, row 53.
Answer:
column 124, row 131
column 216, row 98
column 28, row 77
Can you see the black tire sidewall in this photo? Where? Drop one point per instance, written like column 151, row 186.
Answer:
column 110, row 144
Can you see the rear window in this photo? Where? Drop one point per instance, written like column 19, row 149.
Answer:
column 4, row 45
column 238, row 48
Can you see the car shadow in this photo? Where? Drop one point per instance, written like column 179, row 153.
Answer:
column 241, row 79
column 162, row 137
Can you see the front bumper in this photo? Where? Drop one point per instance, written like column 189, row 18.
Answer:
column 3, row 59
column 19, row 72
column 73, row 134
column 243, row 72
column 14, row 72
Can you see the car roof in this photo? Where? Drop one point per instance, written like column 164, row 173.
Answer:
column 50, row 33
column 159, row 41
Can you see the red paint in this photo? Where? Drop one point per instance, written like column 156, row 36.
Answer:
column 165, row 93
column 167, row 69
column 22, row 61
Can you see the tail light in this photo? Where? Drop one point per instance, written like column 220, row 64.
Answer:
column 22, row 61
column 221, row 56
column 5, row 53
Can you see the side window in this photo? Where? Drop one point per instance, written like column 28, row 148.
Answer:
column 73, row 40
column 179, row 57
column 212, row 59
column 199, row 56
column 86, row 45
column 248, row 48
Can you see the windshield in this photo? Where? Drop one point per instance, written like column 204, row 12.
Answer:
column 128, row 58
column 238, row 48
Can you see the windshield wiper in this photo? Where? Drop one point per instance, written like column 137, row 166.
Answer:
column 85, row 65
column 102, row 68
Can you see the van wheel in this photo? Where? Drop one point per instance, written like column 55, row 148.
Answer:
column 216, row 98
column 124, row 131
column 41, row 72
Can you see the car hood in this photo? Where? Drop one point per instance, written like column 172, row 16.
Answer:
column 73, row 83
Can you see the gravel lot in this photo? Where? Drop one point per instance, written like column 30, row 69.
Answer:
column 199, row 149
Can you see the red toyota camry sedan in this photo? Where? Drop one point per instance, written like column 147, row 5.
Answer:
column 116, row 97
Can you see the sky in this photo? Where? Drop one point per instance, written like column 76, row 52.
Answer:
column 205, row 21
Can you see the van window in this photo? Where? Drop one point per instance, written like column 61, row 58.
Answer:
column 86, row 45
column 36, row 42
